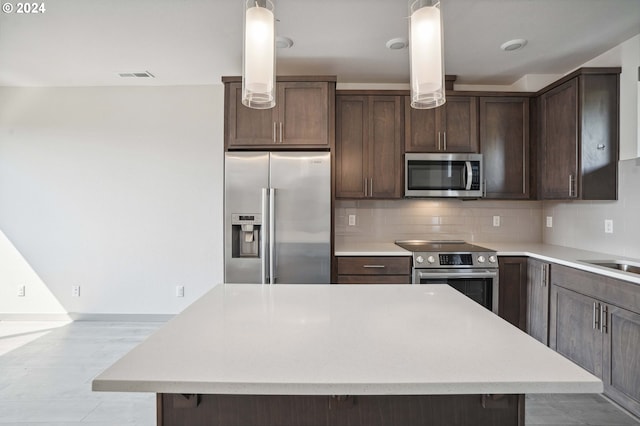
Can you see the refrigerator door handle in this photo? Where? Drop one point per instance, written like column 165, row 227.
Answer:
column 272, row 235
column 264, row 238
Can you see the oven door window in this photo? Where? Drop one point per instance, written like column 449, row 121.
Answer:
column 436, row 175
column 478, row 289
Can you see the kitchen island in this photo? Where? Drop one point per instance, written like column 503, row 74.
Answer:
column 341, row 355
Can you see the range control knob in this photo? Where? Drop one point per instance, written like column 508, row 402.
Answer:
column 481, row 259
column 419, row 259
column 431, row 259
column 492, row 259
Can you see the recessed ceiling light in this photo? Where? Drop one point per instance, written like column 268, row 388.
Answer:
column 283, row 42
column 397, row 43
column 514, row 44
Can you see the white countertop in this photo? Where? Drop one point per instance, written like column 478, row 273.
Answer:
column 370, row 249
column 342, row 340
column 567, row 256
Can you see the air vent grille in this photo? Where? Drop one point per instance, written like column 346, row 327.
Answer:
column 145, row 74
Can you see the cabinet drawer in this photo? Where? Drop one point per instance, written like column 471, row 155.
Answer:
column 397, row 265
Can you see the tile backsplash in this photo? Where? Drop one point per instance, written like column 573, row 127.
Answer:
column 580, row 224
column 472, row 221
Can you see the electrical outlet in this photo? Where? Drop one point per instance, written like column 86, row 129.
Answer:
column 496, row 221
column 75, row 291
column 21, row 291
column 549, row 221
column 179, row 291
column 352, row 220
column 608, row 226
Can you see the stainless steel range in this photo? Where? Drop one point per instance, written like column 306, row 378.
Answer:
column 471, row 269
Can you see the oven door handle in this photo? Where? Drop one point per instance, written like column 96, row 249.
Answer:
column 453, row 275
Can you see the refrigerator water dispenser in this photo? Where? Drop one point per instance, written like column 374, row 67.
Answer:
column 245, row 234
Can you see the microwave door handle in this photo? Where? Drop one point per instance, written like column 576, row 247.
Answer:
column 469, row 175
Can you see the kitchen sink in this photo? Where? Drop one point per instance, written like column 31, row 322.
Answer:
column 620, row 265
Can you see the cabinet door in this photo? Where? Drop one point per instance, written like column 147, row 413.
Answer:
column 559, row 136
column 247, row 127
column 452, row 127
column 622, row 357
column 385, row 163
column 303, row 114
column 512, row 284
column 352, row 155
column 421, row 128
column 538, row 300
column 574, row 328
column 460, row 124
column 504, row 143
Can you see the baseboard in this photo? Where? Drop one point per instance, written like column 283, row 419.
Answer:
column 34, row 317
column 77, row 316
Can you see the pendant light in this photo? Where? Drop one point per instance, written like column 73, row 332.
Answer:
column 259, row 59
column 426, row 57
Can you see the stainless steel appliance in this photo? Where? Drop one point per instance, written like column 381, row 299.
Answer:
column 443, row 175
column 471, row 269
column 277, row 217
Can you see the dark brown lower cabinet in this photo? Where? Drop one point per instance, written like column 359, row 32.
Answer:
column 512, row 282
column 594, row 321
column 374, row 269
column 575, row 332
column 622, row 357
column 538, row 300
column 340, row 410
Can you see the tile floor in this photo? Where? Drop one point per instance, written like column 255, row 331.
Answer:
column 46, row 370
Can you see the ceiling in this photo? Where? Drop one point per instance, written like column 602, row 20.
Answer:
column 186, row 42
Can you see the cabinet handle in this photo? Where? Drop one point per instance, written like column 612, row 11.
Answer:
column 439, row 140
column 543, row 282
column 570, row 185
column 366, row 190
column 281, row 132
column 274, row 132
column 371, row 187
column 604, row 311
column 445, row 140
column 373, row 266
column 596, row 313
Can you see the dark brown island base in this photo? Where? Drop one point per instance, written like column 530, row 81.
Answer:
column 362, row 410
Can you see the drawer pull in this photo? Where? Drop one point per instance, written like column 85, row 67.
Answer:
column 373, row 266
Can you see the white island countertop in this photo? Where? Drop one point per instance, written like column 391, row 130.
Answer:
column 342, row 340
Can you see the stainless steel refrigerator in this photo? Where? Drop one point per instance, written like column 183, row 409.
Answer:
column 277, row 217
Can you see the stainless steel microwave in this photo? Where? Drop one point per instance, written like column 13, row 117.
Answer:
column 443, row 175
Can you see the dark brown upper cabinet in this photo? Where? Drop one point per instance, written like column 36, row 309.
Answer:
column 452, row 127
column 368, row 146
column 303, row 117
column 504, row 143
column 579, row 119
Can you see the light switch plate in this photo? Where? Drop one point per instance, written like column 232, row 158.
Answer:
column 352, row 220
column 549, row 221
column 496, row 221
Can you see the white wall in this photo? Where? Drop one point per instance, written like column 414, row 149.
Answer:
column 118, row 190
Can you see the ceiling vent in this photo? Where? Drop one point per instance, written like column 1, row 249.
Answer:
column 145, row 74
